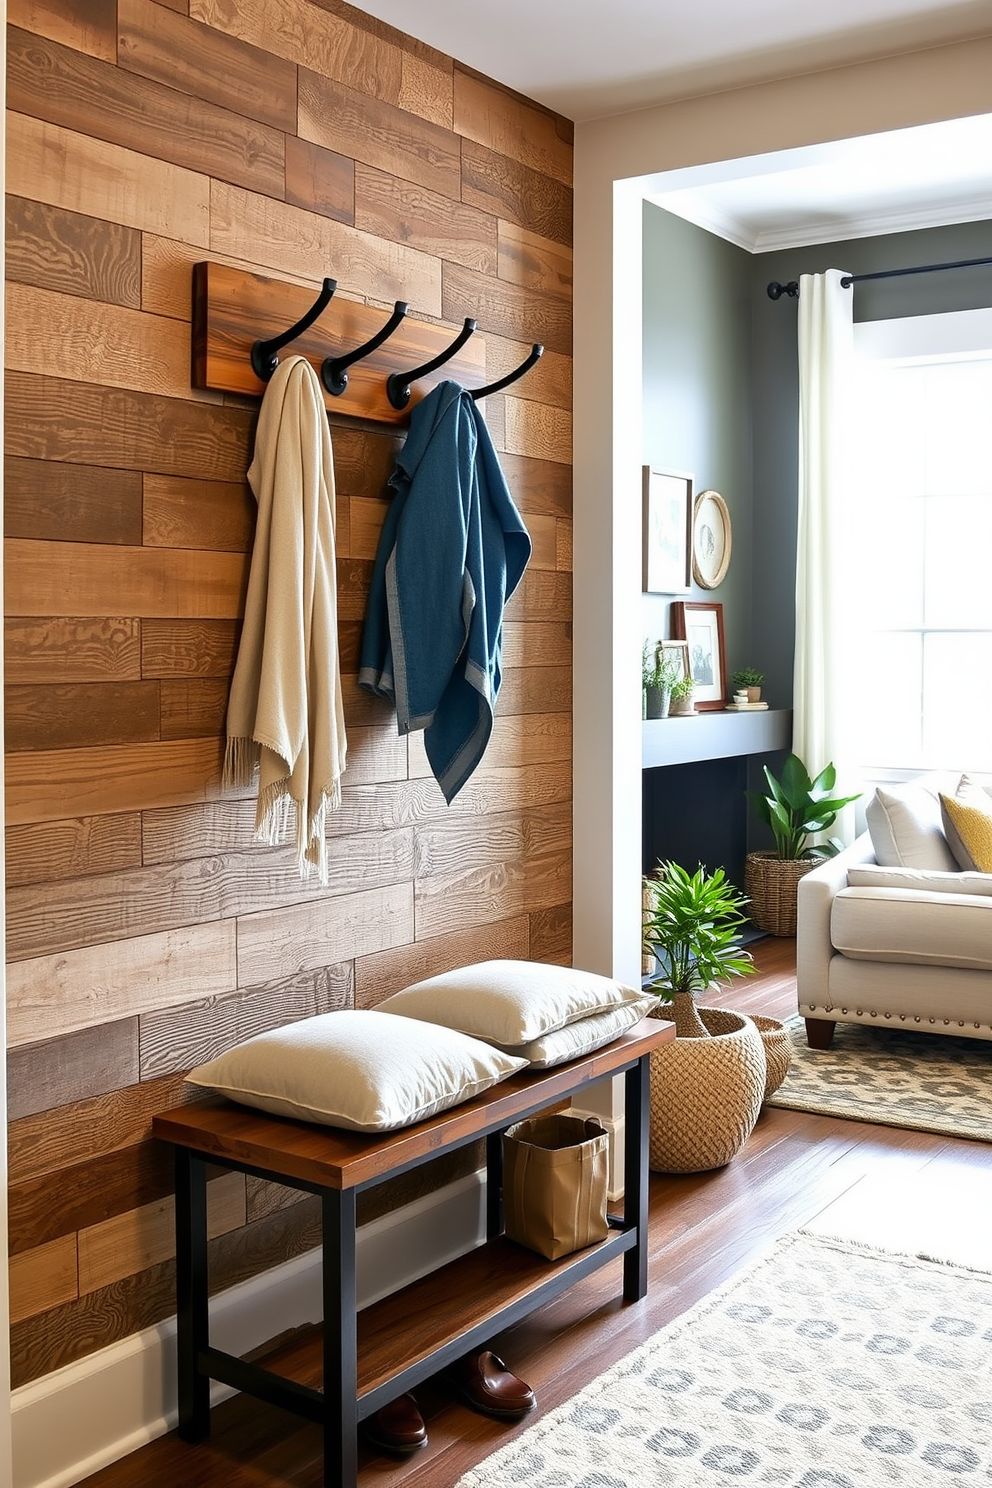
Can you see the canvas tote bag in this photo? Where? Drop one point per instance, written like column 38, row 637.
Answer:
column 555, row 1172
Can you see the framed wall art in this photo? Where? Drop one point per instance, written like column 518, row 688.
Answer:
column 667, row 517
column 710, row 539
column 701, row 624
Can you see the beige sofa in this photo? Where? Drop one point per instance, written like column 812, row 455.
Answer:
column 906, row 943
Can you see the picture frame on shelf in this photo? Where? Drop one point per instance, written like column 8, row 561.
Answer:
column 711, row 539
column 678, row 649
column 700, row 624
column 667, row 531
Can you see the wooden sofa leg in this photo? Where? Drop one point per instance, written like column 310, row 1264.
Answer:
column 820, row 1032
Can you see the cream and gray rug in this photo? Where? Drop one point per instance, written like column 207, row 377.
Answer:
column 826, row 1365
column 924, row 1081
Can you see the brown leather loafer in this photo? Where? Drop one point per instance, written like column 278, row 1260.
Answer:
column 398, row 1427
column 484, row 1382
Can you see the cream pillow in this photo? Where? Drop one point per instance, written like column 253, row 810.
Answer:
column 576, row 1039
column 870, row 876
column 357, row 1069
column 509, row 1002
column 967, row 817
column 906, row 829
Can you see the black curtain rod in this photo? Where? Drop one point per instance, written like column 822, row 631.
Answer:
column 776, row 290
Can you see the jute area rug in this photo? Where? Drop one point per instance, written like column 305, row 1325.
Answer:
column 923, row 1081
column 826, row 1365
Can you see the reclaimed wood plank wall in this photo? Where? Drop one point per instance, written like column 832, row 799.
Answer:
column 147, row 931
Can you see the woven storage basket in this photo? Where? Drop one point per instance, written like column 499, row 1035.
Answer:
column 771, row 883
column 705, row 1094
column 778, row 1051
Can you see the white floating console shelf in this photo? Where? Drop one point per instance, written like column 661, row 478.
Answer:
column 705, row 736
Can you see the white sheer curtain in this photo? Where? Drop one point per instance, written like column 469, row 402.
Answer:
column 825, row 607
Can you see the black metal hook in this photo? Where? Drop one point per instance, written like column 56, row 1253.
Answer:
column 334, row 370
column 265, row 354
column 399, row 385
column 776, row 290
column 536, row 353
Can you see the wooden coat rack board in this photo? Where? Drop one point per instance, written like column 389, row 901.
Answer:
column 232, row 309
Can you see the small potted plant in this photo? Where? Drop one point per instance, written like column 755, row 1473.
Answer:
column 680, row 702
column 796, row 808
column 749, row 680
column 658, row 672
column 706, row 1087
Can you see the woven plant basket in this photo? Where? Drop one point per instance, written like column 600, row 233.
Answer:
column 705, row 1093
column 778, row 1051
column 770, row 883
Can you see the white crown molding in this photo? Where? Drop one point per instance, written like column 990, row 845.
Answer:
column 693, row 207
column 875, row 224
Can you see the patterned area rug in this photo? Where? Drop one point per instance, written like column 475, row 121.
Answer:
column 924, row 1081
column 826, row 1365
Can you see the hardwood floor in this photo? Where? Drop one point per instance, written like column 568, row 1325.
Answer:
column 898, row 1190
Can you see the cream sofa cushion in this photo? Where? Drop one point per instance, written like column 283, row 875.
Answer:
column 871, row 876
column 904, row 925
column 906, row 828
column 357, row 1069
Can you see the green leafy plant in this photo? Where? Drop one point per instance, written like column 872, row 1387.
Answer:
column 658, row 669
column 797, row 807
column 682, row 687
column 692, row 924
column 747, row 677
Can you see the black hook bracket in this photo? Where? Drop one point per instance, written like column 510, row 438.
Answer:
column 399, row 385
column 334, row 370
column 536, row 353
column 776, row 290
column 265, row 354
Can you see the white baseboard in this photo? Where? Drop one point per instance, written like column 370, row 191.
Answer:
column 82, row 1417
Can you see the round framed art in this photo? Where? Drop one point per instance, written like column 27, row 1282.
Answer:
column 710, row 539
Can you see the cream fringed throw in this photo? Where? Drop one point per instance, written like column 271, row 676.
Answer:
column 285, row 717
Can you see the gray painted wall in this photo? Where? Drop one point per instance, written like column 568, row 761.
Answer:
column 697, row 402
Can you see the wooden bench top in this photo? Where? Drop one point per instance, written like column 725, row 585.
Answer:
column 331, row 1158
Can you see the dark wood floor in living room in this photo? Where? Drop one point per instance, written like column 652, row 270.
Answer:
column 898, row 1190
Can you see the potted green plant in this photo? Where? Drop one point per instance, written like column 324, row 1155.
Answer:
column 707, row 1086
column 796, row 808
column 658, row 672
column 749, row 680
column 680, row 701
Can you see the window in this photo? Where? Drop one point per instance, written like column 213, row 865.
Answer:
column 921, row 549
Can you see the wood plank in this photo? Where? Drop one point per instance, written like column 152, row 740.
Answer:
column 320, row 180
column 191, row 708
column 378, row 134
column 202, row 61
column 551, row 934
column 52, row 784
column 365, row 528
column 535, row 690
column 83, row 1130
column 189, row 648
column 504, row 123
column 375, row 757
column 50, row 578
column 80, row 174
column 177, row 513
column 543, row 535
column 52, row 995
column 78, row 255
column 71, row 503
column 408, row 213
column 74, row 715
column 534, row 429
column 550, row 381
column 516, row 193
column 61, row 335
column 49, row 418
column 88, row 1192
column 43, row 1277
column 116, row 907
column 184, row 832
column 542, row 596
column 474, row 896
column 536, row 262
column 427, row 88
column 564, row 541
column 529, row 644
column 177, row 1039
column 72, row 650
column 69, row 849
column 142, row 1237
column 534, row 738
column 63, row 1334
column 73, row 91
column 57, row 1071
column 444, row 847
column 354, row 576
column 364, row 459
column 542, row 486
column 385, row 972
column 286, row 239
column 524, row 314
column 302, row 937
column 90, row 27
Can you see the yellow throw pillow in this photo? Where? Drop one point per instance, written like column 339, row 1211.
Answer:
column 968, row 827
